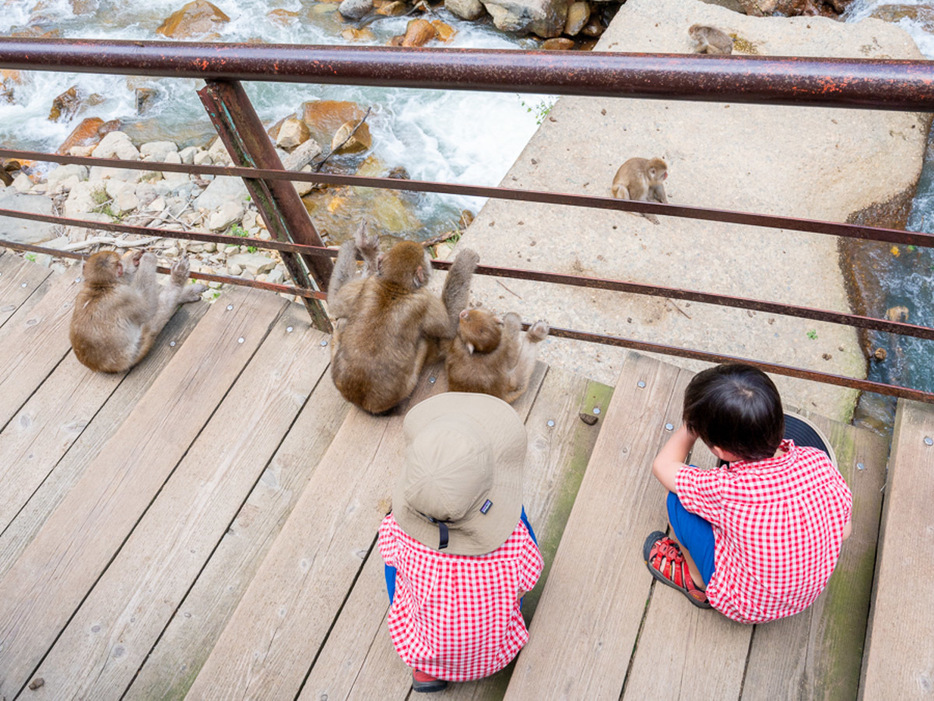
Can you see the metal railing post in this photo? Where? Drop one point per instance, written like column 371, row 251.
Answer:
column 242, row 132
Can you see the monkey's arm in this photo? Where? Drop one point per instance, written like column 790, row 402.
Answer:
column 341, row 303
column 510, row 345
column 344, row 269
column 658, row 193
column 435, row 321
column 456, row 289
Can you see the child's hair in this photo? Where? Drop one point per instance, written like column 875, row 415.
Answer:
column 736, row 408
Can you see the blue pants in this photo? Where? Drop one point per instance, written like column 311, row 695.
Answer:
column 391, row 571
column 694, row 533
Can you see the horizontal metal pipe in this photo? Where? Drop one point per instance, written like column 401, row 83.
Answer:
column 811, row 226
column 862, row 322
column 825, row 82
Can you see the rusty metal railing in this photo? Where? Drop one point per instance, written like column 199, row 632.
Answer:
column 876, row 84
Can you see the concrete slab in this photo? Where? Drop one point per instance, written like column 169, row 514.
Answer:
column 805, row 162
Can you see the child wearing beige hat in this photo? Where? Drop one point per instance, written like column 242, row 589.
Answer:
column 458, row 548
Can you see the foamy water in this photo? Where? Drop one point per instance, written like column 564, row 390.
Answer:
column 448, row 136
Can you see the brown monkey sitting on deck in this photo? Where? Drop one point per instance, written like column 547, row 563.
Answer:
column 642, row 179
column 388, row 325
column 121, row 308
column 492, row 355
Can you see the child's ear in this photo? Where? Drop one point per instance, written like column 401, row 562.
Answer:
column 725, row 454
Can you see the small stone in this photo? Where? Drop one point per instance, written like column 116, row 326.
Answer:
column 588, row 419
column 880, row 354
column 37, row 683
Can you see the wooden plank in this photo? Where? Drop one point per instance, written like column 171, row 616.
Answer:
column 18, row 280
column 672, row 657
column 817, row 654
column 103, row 424
column 358, row 656
column 34, row 340
column 44, row 587
column 588, row 618
column 900, row 660
column 137, row 595
column 173, row 664
column 285, row 614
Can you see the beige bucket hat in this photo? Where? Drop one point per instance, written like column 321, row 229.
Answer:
column 460, row 488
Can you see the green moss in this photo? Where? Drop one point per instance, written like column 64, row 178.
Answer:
column 744, row 45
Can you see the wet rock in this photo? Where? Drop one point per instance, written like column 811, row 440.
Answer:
column 558, row 44
column 292, row 133
column 324, row 117
column 352, row 137
column 284, row 18
column 394, row 9
column 544, row 18
column 418, row 32
column 65, row 105
column 194, row 19
column 87, row 133
column 354, row 34
column 465, row 9
column 445, row 31
column 355, row 9
column 9, row 80
column 302, row 155
column 578, row 16
column 145, row 98
column 594, row 28
column 880, row 354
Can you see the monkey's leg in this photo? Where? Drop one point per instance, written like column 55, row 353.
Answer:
column 456, row 289
column 186, row 293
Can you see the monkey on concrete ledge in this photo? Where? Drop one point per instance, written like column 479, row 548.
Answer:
column 388, row 324
column 121, row 308
column 641, row 179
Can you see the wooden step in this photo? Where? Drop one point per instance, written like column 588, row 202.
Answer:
column 900, row 643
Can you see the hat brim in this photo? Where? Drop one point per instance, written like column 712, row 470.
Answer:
column 806, row 434
column 477, row 533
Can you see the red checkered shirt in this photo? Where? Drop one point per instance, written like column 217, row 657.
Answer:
column 457, row 617
column 777, row 526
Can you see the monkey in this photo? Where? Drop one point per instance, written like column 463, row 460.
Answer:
column 388, row 325
column 492, row 355
column 121, row 308
column 710, row 40
column 641, row 179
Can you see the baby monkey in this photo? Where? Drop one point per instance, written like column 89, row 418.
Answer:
column 642, row 179
column 710, row 40
column 492, row 355
column 121, row 308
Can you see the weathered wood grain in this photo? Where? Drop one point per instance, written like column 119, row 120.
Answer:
column 44, row 587
column 18, row 280
column 106, row 641
column 595, row 596
column 34, row 340
column 899, row 662
column 103, row 424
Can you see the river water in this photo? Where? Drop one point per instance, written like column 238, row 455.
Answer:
column 456, row 137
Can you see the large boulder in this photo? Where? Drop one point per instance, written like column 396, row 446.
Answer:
column 809, row 162
column 544, row 18
column 195, row 19
column 325, row 117
column 23, row 230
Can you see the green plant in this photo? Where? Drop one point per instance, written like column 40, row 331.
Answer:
column 30, row 257
column 540, row 109
column 238, row 230
column 812, row 334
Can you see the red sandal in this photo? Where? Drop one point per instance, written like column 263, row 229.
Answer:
column 665, row 561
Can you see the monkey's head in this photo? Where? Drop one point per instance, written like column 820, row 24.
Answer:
column 658, row 170
column 406, row 264
column 103, row 268
column 480, row 330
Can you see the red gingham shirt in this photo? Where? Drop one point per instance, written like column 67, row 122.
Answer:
column 777, row 526
column 457, row 617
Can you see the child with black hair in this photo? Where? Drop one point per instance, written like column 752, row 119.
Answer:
column 758, row 537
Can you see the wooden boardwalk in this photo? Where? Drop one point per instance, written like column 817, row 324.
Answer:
column 204, row 525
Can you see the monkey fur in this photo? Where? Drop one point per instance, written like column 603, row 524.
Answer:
column 642, row 179
column 121, row 308
column 710, row 40
column 492, row 355
column 388, row 324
